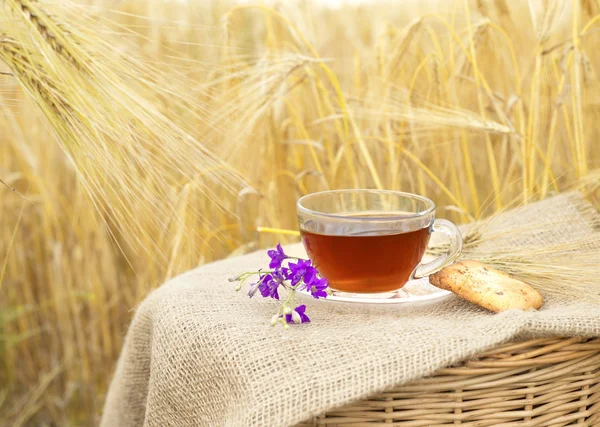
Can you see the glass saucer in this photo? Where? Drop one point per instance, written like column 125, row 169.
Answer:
column 416, row 293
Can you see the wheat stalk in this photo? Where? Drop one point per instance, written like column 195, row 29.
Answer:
column 52, row 32
column 118, row 118
column 20, row 60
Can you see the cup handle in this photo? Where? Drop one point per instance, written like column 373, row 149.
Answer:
column 456, row 243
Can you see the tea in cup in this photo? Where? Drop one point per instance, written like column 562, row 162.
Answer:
column 372, row 241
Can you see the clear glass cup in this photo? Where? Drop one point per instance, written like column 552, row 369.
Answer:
column 370, row 243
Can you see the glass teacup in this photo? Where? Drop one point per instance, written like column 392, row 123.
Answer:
column 372, row 241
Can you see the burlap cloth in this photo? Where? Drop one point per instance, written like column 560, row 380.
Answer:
column 199, row 354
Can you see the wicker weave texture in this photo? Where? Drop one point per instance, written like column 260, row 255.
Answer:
column 541, row 382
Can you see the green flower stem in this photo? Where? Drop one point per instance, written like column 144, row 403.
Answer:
column 252, row 273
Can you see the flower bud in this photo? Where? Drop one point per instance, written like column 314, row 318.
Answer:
column 274, row 319
column 253, row 290
column 234, row 278
column 296, row 317
column 238, row 287
column 286, row 327
column 287, row 310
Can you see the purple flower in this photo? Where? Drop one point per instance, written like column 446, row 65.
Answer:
column 277, row 256
column 300, row 275
column 268, row 287
column 302, row 270
column 270, row 283
column 297, row 315
column 317, row 288
column 281, row 274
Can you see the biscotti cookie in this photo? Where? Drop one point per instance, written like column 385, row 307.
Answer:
column 486, row 286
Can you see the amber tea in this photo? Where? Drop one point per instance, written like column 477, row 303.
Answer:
column 368, row 262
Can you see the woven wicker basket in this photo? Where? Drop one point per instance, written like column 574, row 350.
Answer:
column 541, row 382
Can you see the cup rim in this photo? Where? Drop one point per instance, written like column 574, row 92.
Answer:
column 429, row 203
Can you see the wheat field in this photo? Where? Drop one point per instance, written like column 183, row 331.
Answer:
column 142, row 138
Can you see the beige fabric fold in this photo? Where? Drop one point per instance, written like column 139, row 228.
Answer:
column 199, row 354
